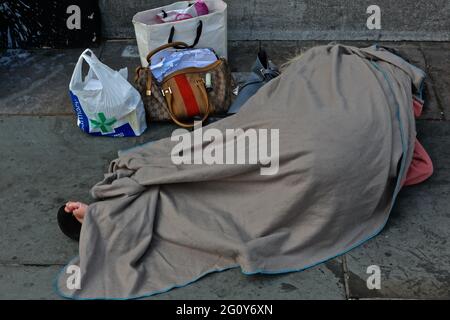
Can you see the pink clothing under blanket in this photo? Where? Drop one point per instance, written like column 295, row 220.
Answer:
column 421, row 167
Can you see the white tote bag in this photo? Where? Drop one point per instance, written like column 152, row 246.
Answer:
column 207, row 31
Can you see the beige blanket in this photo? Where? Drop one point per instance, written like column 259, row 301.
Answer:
column 346, row 137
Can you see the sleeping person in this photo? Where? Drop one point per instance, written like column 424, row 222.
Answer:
column 347, row 145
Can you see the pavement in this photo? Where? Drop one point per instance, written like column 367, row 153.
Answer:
column 47, row 160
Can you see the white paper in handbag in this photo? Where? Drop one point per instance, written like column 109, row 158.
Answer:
column 169, row 61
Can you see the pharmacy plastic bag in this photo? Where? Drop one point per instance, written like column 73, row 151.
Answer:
column 105, row 103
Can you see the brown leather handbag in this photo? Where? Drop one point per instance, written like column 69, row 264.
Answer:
column 187, row 93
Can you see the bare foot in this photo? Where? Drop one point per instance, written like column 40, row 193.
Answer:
column 78, row 209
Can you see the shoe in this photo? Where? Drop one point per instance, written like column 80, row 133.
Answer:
column 68, row 224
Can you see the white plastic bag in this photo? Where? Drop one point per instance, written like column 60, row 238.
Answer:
column 105, row 103
column 205, row 31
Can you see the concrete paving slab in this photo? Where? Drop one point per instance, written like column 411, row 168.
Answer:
column 412, row 251
column 322, row 282
column 432, row 109
column 28, row 282
column 46, row 162
column 438, row 62
column 37, row 81
column 242, row 55
column 121, row 54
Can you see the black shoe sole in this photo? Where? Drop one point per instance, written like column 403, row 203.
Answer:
column 68, row 224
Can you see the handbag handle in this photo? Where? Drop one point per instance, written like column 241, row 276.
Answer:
column 189, row 125
column 177, row 44
column 149, row 60
column 197, row 37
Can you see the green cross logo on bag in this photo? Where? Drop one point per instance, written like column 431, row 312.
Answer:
column 103, row 123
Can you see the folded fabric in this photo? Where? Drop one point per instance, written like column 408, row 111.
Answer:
column 171, row 60
column 421, row 167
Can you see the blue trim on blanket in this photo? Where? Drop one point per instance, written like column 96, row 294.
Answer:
column 56, row 288
column 402, row 131
column 422, row 83
column 421, row 89
column 261, row 271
